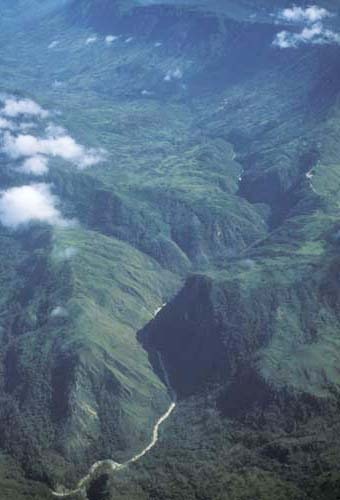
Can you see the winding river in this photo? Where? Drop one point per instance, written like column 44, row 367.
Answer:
column 114, row 466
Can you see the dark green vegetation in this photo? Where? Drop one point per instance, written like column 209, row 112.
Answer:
column 250, row 268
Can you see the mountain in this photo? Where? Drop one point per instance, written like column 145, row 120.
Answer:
column 169, row 180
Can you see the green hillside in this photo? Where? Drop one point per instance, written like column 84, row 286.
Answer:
column 184, row 160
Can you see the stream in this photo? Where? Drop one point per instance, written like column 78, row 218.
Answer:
column 114, row 466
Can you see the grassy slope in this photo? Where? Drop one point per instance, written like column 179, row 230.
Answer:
column 74, row 376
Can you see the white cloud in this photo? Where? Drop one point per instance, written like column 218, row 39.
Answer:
column 173, row 74
column 36, row 165
column 90, row 39
column 27, row 125
column 22, row 145
column 308, row 34
column 311, row 14
column 129, row 40
column 59, row 312
column 56, row 144
column 53, row 44
column 66, row 253
column 35, row 202
column 315, row 34
column 53, row 130
column 15, row 107
column 110, row 39
column 6, row 124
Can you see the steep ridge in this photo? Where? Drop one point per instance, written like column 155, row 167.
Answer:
column 262, row 344
column 115, row 467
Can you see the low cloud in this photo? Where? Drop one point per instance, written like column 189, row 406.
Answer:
column 313, row 31
column 36, row 165
column 315, row 35
column 53, row 44
column 27, row 125
column 24, row 204
column 173, row 74
column 90, row 39
column 110, row 39
column 6, row 124
column 53, row 130
column 311, row 14
column 56, row 143
column 59, row 312
column 65, row 253
column 15, row 107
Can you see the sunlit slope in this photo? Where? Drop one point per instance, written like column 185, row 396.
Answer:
column 76, row 384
